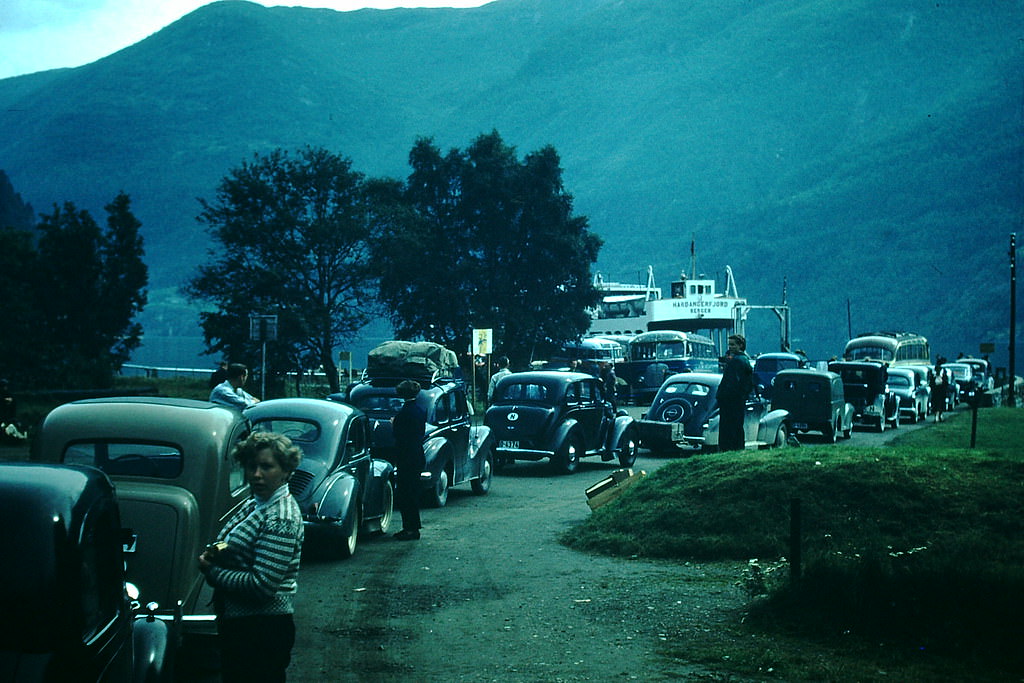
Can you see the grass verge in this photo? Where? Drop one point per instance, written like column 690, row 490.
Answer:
column 913, row 553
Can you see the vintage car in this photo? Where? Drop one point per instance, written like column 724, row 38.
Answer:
column 562, row 416
column 340, row 489
column 456, row 450
column 963, row 375
column 911, row 391
column 864, row 383
column 684, row 416
column 816, row 402
column 767, row 365
column 982, row 372
column 170, row 460
column 68, row 612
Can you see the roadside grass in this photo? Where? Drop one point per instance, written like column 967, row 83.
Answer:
column 913, row 554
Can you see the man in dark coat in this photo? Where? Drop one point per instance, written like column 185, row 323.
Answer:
column 408, row 427
column 737, row 383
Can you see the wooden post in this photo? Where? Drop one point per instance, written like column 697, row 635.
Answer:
column 794, row 539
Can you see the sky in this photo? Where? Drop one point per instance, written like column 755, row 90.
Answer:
column 36, row 35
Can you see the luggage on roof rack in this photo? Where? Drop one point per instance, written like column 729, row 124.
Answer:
column 424, row 362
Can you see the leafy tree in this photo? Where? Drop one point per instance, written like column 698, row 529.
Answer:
column 88, row 286
column 293, row 233
column 14, row 213
column 487, row 241
column 17, row 306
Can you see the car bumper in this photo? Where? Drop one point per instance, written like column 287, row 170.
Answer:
column 654, row 434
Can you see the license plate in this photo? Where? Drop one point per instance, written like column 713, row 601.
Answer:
column 508, row 445
column 799, row 425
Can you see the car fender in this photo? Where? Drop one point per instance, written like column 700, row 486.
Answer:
column 847, row 418
column 433, row 448
column 622, row 423
column 152, row 650
column 768, row 426
column 335, row 496
column 481, row 441
column 561, row 434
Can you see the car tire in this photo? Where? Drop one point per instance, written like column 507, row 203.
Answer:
column 437, row 496
column 831, row 433
column 781, row 437
column 387, row 507
column 628, row 447
column 482, row 484
column 675, row 410
column 567, row 459
column 350, row 539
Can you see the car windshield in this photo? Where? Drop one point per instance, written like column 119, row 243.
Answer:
column 163, row 461
column 960, row 371
column 775, row 364
column 303, row 433
column 872, row 352
column 522, row 392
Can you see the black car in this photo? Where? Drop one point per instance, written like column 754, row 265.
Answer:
column 911, row 391
column 68, row 614
column 338, row 486
column 562, row 416
column 816, row 402
column 767, row 365
column 865, row 386
column 456, row 450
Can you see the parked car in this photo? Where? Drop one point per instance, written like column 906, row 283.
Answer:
column 456, row 450
column 339, row 487
column 963, row 375
column 924, row 377
column 982, row 372
column 911, row 392
column 170, row 460
column 864, row 384
column 767, row 365
column 562, row 416
column 68, row 612
column 816, row 402
column 684, row 416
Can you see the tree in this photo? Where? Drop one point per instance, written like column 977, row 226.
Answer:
column 293, row 235
column 487, row 241
column 88, row 286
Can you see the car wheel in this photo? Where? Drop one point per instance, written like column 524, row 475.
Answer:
column 781, row 437
column 627, row 448
column 482, row 484
column 387, row 506
column 675, row 410
column 350, row 539
column 567, row 459
column 437, row 497
column 830, row 433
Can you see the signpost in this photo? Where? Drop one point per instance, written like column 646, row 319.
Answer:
column 263, row 328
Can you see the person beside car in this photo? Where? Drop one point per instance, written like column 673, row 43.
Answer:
column 230, row 392
column 253, row 566
column 737, row 383
column 939, row 382
column 408, row 427
column 503, row 370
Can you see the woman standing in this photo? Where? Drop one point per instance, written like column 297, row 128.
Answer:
column 254, row 564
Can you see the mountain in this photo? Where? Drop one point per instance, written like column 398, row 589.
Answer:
column 866, row 156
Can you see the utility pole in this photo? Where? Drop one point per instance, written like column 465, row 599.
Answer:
column 1012, row 399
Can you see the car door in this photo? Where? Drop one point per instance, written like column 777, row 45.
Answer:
column 587, row 409
column 753, row 412
column 354, row 451
column 458, row 434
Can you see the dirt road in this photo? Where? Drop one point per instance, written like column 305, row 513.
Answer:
column 489, row 594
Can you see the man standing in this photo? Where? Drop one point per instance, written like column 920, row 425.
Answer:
column 503, row 370
column 737, row 382
column 408, row 427
column 230, row 392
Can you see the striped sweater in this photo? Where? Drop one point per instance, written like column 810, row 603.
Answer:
column 256, row 574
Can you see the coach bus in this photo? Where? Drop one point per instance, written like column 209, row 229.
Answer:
column 653, row 356
column 895, row 348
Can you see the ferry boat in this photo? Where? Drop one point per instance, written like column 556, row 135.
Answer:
column 694, row 305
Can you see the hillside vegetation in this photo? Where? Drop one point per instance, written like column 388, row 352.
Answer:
column 913, row 555
column 861, row 152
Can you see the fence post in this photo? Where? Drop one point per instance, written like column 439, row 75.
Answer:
column 794, row 539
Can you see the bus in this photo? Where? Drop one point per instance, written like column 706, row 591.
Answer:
column 895, row 348
column 653, row 356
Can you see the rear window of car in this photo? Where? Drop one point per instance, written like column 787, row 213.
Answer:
column 688, row 388
column 299, row 431
column 378, row 403
column 899, row 381
column 522, row 391
column 122, row 458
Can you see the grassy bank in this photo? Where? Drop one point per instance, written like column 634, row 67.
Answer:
column 913, row 555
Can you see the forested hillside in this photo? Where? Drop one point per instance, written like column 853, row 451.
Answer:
column 862, row 151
